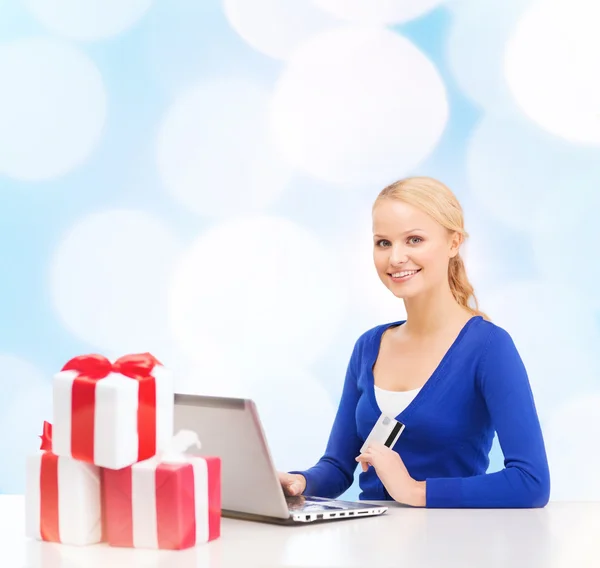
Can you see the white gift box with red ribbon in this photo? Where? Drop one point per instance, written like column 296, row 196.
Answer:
column 62, row 497
column 172, row 501
column 112, row 414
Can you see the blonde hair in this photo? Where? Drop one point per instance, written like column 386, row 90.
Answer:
column 434, row 198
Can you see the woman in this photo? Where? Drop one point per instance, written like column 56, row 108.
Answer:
column 446, row 372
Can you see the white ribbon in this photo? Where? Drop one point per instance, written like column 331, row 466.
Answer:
column 143, row 489
column 180, row 443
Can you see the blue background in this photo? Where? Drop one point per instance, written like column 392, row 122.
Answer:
column 107, row 253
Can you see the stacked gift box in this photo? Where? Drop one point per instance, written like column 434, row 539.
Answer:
column 110, row 470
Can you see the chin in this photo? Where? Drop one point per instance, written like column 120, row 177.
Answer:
column 402, row 295
column 399, row 292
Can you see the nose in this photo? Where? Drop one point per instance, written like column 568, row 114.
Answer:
column 398, row 256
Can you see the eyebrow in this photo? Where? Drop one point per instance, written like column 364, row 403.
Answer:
column 404, row 233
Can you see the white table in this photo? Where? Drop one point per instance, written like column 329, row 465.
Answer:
column 562, row 535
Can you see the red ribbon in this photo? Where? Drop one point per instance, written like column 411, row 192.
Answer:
column 46, row 437
column 49, row 523
column 91, row 369
column 175, row 504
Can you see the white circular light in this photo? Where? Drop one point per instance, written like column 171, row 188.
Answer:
column 214, row 149
column 276, row 27
column 25, row 406
column 511, row 168
column 476, row 45
column 17, row 375
column 378, row 11
column 261, row 292
column 550, row 352
column 358, row 106
column 296, row 432
column 211, row 376
column 52, row 108
column 567, row 437
column 551, row 68
column 565, row 234
column 88, row 19
column 483, row 266
column 109, row 280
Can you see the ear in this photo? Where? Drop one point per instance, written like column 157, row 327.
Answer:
column 456, row 240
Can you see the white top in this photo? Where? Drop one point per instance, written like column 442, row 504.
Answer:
column 562, row 535
column 393, row 403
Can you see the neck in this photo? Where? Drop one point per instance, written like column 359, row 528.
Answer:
column 430, row 313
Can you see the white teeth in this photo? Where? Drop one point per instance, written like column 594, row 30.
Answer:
column 404, row 273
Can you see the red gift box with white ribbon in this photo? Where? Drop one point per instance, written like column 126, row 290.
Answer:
column 112, row 414
column 172, row 501
column 63, row 497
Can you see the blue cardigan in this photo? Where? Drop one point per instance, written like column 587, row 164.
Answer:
column 479, row 387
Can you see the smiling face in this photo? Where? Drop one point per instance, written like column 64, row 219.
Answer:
column 410, row 249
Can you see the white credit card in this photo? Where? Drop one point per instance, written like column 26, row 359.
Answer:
column 386, row 431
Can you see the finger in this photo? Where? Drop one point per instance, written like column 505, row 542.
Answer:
column 369, row 456
column 290, row 485
column 377, row 447
column 365, row 459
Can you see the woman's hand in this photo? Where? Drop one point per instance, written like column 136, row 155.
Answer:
column 393, row 474
column 292, row 483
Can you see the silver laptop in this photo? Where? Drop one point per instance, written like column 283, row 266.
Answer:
column 230, row 428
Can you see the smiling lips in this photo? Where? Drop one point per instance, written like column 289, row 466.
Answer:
column 404, row 275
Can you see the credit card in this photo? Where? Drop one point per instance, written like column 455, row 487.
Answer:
column 386, row 431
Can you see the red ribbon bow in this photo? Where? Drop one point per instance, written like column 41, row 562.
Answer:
column 96, row 367
column 91, row 369
column 46, row 437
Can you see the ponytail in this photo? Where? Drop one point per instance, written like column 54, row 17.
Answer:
column 461, row 288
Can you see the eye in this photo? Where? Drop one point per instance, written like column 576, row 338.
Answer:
column 412, row 240
column 383, row 243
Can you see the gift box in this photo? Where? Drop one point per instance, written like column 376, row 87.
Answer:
column 63, row 497
column 112, row 414
column 172, row 501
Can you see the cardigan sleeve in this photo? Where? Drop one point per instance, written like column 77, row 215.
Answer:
column 524, row 482
column 333, row 474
